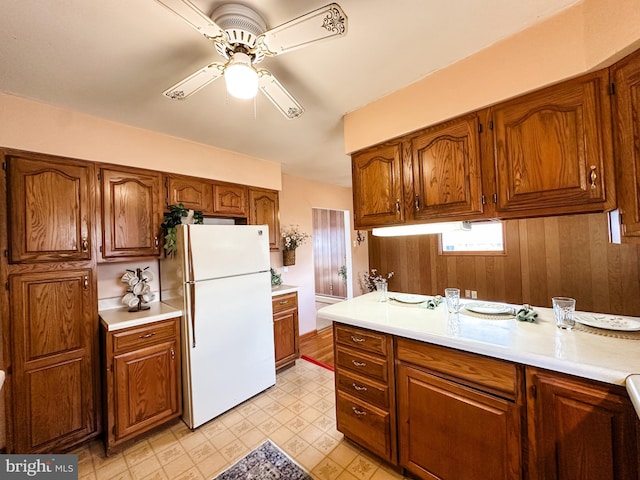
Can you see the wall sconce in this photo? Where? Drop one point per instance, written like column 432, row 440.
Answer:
column 360, row 238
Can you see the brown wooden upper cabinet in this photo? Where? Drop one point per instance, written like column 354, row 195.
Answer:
column 553, row 149
column 192, row 193
column 378, row 186
column 131, row 212
column 626, row 111
column 264, row 209
column 50, row 208
column 229, row 200
column 446, row 170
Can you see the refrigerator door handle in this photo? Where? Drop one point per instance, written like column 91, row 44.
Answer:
column 192, row 288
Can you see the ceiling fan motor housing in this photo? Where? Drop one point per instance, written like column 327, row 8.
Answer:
column 243, row 26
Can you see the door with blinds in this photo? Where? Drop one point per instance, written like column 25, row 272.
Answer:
column 329, row 251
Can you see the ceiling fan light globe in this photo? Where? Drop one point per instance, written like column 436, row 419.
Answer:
column 241, row 78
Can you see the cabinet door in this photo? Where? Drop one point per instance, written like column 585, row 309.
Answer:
column 192, row 193
column 146, row 384
column 446, row 170
column 230, row 200
column 449, row 431
column 130, row 213
column 54, row 335
column 626, row 103
column 264, row 210
column 579, row 429
column 553, row 149
column 285, row 335
column 377, row 186
column 50, row 209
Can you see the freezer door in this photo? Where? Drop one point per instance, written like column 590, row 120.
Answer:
column 233, row 357
column 216, row 251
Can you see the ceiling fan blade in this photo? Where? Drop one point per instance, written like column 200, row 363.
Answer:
column 195, row 82
column 278, row 95
column 326, row 22
column 195, row 17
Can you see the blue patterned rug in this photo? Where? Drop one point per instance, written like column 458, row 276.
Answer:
column 267, row 462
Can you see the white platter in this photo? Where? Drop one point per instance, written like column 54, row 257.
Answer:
column 410, row 298
column 488, row 308
column 608, row 322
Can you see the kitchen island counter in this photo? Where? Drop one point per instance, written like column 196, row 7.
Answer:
column 539, row 343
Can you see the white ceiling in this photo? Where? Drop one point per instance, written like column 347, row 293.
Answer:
column 114, row 58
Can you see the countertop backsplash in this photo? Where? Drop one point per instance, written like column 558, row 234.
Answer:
column 110, row 286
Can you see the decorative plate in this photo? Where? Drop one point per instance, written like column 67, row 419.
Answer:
column 488, row 308
column 608, row 322
column 410, row 298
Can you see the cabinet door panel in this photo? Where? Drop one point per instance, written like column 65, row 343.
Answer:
column 53, row 333
column 230, row 200
column 581, row 430
column 450, row 431
column 446, row 170
column 50, row 209
column 191, row 193
column 130, row 213
column 377, row 186
column 553, row 148
column 626, row 102
column 146, row 389
column 264, row 210
column 285, row 331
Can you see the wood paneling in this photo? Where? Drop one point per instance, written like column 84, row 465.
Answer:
column 545, row 257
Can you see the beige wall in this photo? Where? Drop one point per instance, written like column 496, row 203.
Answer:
column 589, row 35
column 297, row 198
column 37, row 127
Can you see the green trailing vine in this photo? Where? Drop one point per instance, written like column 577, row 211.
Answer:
column 173, row 218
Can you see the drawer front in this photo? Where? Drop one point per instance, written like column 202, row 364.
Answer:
column 362, row 363
column 144, row 335
column 476, row 370
column 362, row 339
column 363, row 389
column 365, row 424
column 284, row 302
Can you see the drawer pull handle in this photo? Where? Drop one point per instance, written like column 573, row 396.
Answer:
column 284, row 302
column 359, row 364
column 147, row 335
column 358, row 339
column 359, row 388
column 360, row 413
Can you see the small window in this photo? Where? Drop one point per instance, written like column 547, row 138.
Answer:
column 483, row 237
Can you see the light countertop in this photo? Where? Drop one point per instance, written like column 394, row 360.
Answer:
column 540, row 344
column 282, row 289
column 119, row 318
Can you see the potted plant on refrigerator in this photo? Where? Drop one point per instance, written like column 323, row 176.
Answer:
column 173, row 218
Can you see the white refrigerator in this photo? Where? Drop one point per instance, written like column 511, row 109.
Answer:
column 219, row 276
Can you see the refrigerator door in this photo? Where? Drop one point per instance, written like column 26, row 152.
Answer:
column 216, row 251
column 233, row 357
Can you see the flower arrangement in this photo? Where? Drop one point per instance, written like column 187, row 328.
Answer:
column 342, row 273
column 369, row 279
column 292, row 237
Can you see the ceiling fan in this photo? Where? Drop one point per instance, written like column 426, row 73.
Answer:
column 239, row 35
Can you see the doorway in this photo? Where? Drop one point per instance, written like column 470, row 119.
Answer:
column 331, row 256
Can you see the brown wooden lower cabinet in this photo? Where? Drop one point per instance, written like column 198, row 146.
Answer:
column 142, row 379
column 285, row 329
column 580, row 429
column 467, row 416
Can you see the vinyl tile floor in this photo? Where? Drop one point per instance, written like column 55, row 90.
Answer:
column 297, row 414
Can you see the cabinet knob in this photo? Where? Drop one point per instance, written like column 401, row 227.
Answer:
column 86, row 282
column 358, row 339
column 360, row 413
column 397, row 206
column 156, row 241
column 85, row 244
column 417, row 203
column 147, row 335
column 593, row 176
column 173, row 354
column 359, row 388
column 359, row 364
column 284, row 302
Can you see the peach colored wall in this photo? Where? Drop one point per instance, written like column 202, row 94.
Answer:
column 297, row 198
column 589, row 35
column 29, row 125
